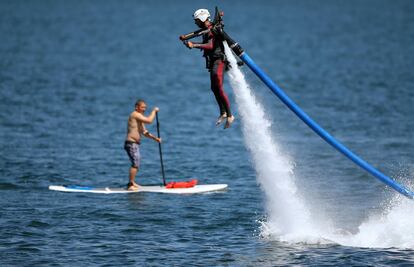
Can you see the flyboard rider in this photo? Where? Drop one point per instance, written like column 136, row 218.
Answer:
column 216, row 63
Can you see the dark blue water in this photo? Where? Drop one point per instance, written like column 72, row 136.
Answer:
column 70, row 73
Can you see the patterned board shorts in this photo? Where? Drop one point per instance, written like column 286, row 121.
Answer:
column 132, row 150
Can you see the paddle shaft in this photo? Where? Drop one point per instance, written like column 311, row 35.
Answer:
column 159, row 148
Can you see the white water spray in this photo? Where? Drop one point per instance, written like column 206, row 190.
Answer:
column 288, row 217
column 393, row 228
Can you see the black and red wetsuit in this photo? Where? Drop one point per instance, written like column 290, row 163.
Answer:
column 213, row 48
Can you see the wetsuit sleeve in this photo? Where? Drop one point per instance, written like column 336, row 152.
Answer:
column 205, row 46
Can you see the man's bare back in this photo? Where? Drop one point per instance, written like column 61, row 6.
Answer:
column 135, row 127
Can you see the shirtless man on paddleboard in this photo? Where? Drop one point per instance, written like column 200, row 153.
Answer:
column 136, row 128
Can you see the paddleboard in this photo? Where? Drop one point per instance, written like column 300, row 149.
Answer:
column 143, row 188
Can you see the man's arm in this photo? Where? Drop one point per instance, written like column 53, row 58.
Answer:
column 147, row 120
column 203, row 46
column 147, row 134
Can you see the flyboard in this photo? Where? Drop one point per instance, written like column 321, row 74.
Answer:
column 238, row 50
column 141, row 189
column 190, row 187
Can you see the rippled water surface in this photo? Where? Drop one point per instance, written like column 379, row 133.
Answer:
column 71, row 71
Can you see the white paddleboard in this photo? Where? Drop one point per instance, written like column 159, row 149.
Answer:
column 143, row 188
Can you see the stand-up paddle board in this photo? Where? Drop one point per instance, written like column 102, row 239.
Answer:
column 143, row 188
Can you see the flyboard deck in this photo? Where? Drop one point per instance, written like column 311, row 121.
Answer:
column 152, row 189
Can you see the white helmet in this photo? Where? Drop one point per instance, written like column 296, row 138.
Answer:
column 201, row 14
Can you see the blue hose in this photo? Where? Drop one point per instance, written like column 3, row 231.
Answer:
column 320, row 131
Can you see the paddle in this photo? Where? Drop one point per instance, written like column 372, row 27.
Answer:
column 159, row 148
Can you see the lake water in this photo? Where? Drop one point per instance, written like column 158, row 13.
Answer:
column 71, row 71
